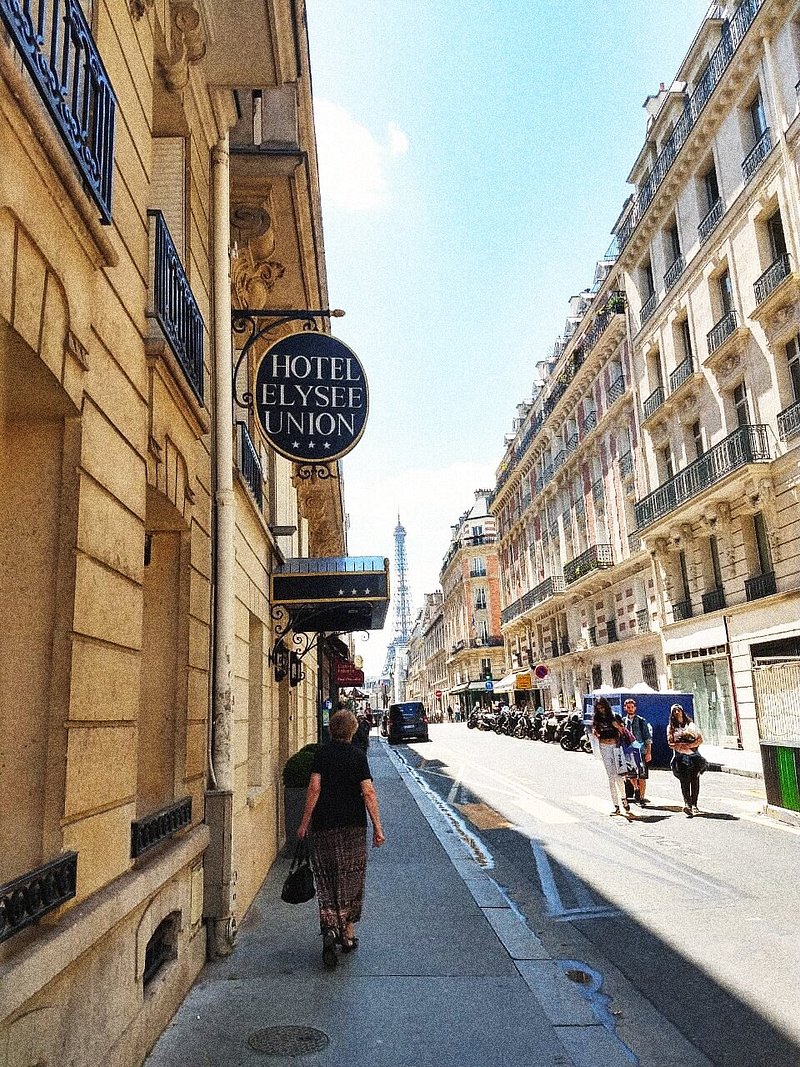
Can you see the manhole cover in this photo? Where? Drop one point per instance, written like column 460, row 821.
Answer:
column 581, row 977
column 288, row 1040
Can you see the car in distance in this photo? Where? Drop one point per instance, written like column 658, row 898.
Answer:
column 408, row 722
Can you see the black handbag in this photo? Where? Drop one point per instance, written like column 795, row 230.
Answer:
column 299, row 884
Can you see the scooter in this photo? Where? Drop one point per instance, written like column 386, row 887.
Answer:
column 549, row 728
column 573, row 735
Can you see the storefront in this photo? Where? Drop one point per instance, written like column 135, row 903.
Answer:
column 706, row 674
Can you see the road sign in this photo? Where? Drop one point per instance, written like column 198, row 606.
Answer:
column 489, row 685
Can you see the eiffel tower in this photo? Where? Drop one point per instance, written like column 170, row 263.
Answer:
column 402, row 602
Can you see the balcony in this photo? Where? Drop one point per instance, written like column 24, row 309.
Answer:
column 25, row 900
column 714, row 600
column 711, row 220
column 681, row 374
column 249, row 464
column 720, row 333
column 589, row 422
column 172, row 304
column 559, row 459
column 596, row 557
column 648, row 307
column 760, row 586
column 789, row 422
column 674, row 272
column 682, row 611
column 771, row 278
column 572, row 443
column 591, row 636
column 616, row 389
column 762, row 149
column 563, row 646
column 60, row 54
column 598, row 491
column 731, row 38
column 634, row 542
column 747, row 444
column 653, row 402
column 626, row 464
column 151, row 831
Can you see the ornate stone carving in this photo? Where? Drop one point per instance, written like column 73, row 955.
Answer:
column 138, row 8
column 188, row 43
column 760, row 496
column 253, row 270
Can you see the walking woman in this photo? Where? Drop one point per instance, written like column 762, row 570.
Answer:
column 684, row 738
column 610, row 733
column 340, row 793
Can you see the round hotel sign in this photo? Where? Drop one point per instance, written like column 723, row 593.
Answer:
column 311, row 398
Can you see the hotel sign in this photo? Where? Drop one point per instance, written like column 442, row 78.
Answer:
column 311, row 398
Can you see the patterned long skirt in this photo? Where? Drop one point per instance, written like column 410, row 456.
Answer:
column 339, row 861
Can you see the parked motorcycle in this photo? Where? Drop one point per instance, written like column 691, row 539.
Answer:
column 573, row 736
column 549, row 727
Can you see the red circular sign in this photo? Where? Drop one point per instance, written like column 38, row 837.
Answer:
column 540, row 671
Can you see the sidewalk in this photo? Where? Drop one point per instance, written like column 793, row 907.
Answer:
column 734, row 761
column 447, row 972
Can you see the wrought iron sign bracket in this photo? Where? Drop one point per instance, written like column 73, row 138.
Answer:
column 258, row 322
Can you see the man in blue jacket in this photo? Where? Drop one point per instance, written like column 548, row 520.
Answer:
column 643, row 736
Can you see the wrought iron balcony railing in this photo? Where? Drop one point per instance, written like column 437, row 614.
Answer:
column 598, row 491
column 721, row 331
column 674, row 272
column 682, row 373
column 590, row 422
column 56, row 45
column 249, row 464
column 596, row 557
column 572, row 442
column 711, row 220
column 760, row 586
column 616, row 389
column 643, row 621
column 173, row 305
column 789, row 422
column 634, row 542
column 761, row 150
column 564, row 646
column 648, row 307
column 747, row 444
column 626, row 464
column 653, row 402
column 153, row 829
column 559, row 459
column 682, row 610
column 591, row 636
column 27, row 899
column 732, row 36
column 714, row 600
column 772, row 278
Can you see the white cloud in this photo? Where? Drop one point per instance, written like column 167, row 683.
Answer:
column 429, row 501
column 352, row 162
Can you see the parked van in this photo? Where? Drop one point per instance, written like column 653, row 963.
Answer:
column 408, row 722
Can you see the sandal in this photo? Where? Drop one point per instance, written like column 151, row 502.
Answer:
column 626, row 805
column 329, row 957
column 349, row 944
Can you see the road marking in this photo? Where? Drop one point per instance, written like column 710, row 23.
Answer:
column 587, row 907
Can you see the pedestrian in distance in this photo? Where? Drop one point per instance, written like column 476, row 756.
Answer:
column 643, row 738
column 340, row 794
column 610, row 734
column 685, row 739
column 361, row 736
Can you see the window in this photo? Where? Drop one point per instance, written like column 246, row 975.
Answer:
column 686, row 339
column 777, row 238
column 666, row 463
column 762, row 543
column 758, row 118
column 478, row 567
column 716, row 570
column 486, row 668
column 711, row 186
column 648, row 282
column 616, row 674
column 725, row 290
column 793, row 360
column 740, row 405
column 161, row 948
column 684, row 575
column 480, row 598
column 649, row 673
column 673, row 242
column 483, row 630
column 697, row 435
column 597, row 676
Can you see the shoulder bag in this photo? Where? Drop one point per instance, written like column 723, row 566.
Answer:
column 299, row 884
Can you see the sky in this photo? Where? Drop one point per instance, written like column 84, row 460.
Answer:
column 473, row 159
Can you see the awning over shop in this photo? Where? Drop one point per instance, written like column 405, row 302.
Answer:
column 519, row 680
column 462, row 688
column 342, row 593
column 479, row 687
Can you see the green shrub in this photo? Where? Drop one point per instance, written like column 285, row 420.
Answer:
column 297, row 769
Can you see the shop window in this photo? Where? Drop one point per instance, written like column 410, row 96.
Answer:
column 649, row 672
column 616, row 674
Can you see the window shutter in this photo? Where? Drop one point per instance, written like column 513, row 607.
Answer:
column 168, row 187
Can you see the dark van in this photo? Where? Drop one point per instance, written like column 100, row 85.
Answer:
column 407, row 722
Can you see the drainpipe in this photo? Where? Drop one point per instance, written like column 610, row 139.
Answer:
column 219, row 800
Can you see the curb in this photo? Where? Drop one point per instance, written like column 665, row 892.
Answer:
column 568, row 991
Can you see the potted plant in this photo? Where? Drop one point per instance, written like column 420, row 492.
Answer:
column 296, row 776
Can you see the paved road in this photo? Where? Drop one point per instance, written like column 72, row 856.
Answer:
column 693, row 920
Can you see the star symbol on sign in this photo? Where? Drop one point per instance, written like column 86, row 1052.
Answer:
column 341, row 592
column 295, row 444
column 326, row 445
column 311, row 444
column 354, row 592
column 366, row 591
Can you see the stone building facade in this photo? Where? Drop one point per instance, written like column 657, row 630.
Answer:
column 116, row 222
column 471, row 607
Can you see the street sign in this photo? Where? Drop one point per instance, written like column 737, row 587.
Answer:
column 438, row 693
column 489, row 685
column 541, row 671
column 310, row 397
